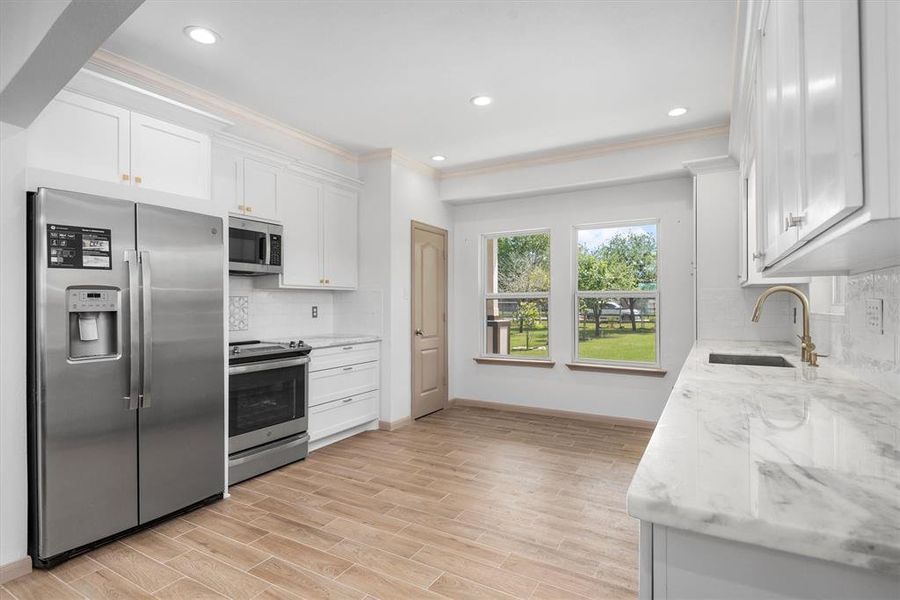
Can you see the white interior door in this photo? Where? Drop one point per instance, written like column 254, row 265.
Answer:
column 81, row 136
column 340, row 230
column 299, row 210
column 169, row 158
column 260, row 189
column 429, row 319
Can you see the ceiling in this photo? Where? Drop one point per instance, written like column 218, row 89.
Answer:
column 374, row 74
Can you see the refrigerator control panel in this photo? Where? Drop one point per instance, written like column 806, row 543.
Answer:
column 73, row 247
column 93, row 300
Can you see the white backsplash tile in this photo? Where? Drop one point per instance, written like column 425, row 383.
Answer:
column 724, row 314
column 870, row 355
column 359, row 312
column 274, row 314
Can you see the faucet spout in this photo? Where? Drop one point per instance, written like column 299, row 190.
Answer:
column 807, row 348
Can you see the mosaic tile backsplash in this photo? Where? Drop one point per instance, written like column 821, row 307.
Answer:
column 238, row 313
column 870, row 355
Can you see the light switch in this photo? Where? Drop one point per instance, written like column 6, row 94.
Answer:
column 875, row 315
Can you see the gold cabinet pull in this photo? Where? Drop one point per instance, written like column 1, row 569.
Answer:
column 248, row 209
column 138, row 179
column 125, row 177
column 327, row 281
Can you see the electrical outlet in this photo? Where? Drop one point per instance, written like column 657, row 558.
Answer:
column 875, row 315
column 315, row 312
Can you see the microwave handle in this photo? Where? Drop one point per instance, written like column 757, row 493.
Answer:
column 264, row 249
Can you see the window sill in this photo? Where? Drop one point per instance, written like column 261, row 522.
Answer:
column 621, row 369
column 515, row 362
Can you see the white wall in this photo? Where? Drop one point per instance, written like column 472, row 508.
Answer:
column 22, row 27
column 724, row 307
column 13, row 453
column 619, row 395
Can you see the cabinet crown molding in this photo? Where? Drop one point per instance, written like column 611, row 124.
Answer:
column 713, row 164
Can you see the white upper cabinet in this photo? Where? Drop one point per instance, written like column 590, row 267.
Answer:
column 300, row 206
column 260, row 189
column 833, row 118
column 82, row 136
column 340, row 230
column 822, row 85
column 169, row 158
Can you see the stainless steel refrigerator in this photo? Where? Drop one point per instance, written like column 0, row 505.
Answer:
column 126, row 367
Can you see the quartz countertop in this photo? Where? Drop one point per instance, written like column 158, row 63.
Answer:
column 804, row 460
column 329, row 341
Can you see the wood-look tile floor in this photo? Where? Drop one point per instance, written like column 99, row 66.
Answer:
column 467, row 503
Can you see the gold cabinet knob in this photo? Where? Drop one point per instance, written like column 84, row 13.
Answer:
column 248, row 209
column 138, row 179
column 125, row 177
column 327, row 281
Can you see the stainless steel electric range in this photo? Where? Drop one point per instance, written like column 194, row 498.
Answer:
column 268, row 390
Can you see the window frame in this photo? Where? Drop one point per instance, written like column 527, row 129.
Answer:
column 484, row 296
column 576, row 295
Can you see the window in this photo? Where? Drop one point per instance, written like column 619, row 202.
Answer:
column 616, row 298
column 517, row 295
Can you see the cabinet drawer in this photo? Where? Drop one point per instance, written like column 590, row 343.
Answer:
column 342, row 382
column 340, row 415
column 341, row 356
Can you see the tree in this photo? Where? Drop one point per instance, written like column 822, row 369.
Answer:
column 523, row 263
column 597, row 272
column 527, row 314
column 635, row 254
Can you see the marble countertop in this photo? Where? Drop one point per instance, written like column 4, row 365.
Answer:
column 329, row 341
column 804, row 460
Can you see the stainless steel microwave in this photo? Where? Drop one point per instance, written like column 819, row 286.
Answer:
column 254, row 247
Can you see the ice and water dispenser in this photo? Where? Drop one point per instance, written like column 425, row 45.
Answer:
column 93, row 322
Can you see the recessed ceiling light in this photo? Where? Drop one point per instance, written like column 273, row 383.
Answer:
column 678, row 111
column 481, row 100
column 438, row 157
column 201, row 35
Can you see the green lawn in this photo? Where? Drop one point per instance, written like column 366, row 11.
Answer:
column 616, row 342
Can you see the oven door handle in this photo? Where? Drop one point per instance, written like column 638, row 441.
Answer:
column 267, row 365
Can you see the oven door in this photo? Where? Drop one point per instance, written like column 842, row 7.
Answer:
column 249, row 247
column 267, row 401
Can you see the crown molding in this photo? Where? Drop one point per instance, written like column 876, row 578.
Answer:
column 714, row 164
column 284, row 160
column 403, row 159
column 556, row 156
column 167, row 85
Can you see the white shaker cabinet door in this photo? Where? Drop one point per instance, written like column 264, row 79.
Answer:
column 340, row 230
column 833, row 113
column 769, row 101
column 790, row 122
column 169, row 158
column 81, row 136
column 226, row 179
column 299, row 209
column 260, row 189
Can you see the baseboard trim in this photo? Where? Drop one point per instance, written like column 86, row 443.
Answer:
column 15, row 569
column 552, row 412
column 393, row 425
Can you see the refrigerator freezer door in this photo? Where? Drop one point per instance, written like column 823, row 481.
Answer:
column 182, row 422
column 83, row 436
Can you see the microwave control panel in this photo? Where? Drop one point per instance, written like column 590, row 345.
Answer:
column 275, row 249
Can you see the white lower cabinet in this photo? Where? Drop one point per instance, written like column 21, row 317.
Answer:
column 682, row 565
column 343, row 391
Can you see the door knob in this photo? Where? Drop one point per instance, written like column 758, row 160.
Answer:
column 419, row 332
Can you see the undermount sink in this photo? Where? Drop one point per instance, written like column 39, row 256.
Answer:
column 754, row 360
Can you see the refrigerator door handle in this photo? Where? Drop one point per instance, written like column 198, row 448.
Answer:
column 146, row 298
column 134, row 333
